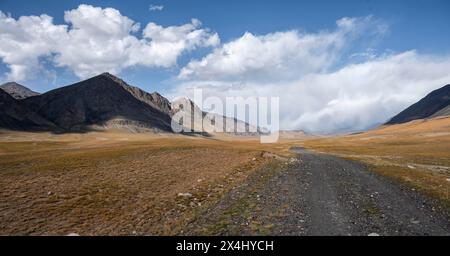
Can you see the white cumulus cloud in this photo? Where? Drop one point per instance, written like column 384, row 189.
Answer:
column 94, row 40
column 280, row 55
column 25, row 40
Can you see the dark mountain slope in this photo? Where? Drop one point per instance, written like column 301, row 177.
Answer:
column 443, row 112
column 104, row 101
column 430, row 105
column 155, row 99
column 16, row 116
column 18, row 91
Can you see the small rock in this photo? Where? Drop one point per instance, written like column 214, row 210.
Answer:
column 373, row 234
column 184, row 194
column 181, row 206
column 49, row 193
column 253, row 159
column 73, row 234
column 413, row 221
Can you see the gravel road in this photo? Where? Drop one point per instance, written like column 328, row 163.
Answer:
column 324, row 195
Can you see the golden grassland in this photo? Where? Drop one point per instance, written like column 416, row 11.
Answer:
column 112, row 183
column 417, row 153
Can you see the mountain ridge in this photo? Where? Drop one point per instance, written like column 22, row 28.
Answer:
column 434, row 104
column 100, row 102
column 212, row 121
column 14, row 115
column 18, row 91
column 107, row 102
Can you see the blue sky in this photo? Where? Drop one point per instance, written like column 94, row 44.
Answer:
column 414, row 24
column 322, row 58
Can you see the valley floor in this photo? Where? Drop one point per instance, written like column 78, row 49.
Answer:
column 391, row 181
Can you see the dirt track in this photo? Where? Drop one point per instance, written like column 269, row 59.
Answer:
column 324, row 195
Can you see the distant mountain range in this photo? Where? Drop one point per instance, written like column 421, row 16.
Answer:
column 18, row 91
column 107, row 102
column 211, row 121
column 102, row 102
column 435, row 104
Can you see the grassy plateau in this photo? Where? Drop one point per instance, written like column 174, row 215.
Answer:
column 112, row 183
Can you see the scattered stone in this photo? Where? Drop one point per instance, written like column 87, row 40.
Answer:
column 181, row 206
column 413, row 221
column 293, row 160
column 184, row 194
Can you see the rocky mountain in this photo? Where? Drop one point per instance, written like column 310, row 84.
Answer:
column 153, row 99
column 435, row 104
column 201, row 121
column 14, row 115
column 17, row 91
column 102, row 102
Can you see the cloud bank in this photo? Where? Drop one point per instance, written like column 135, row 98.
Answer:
column 94, row 40
column 317, row 92
column 353, row 98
